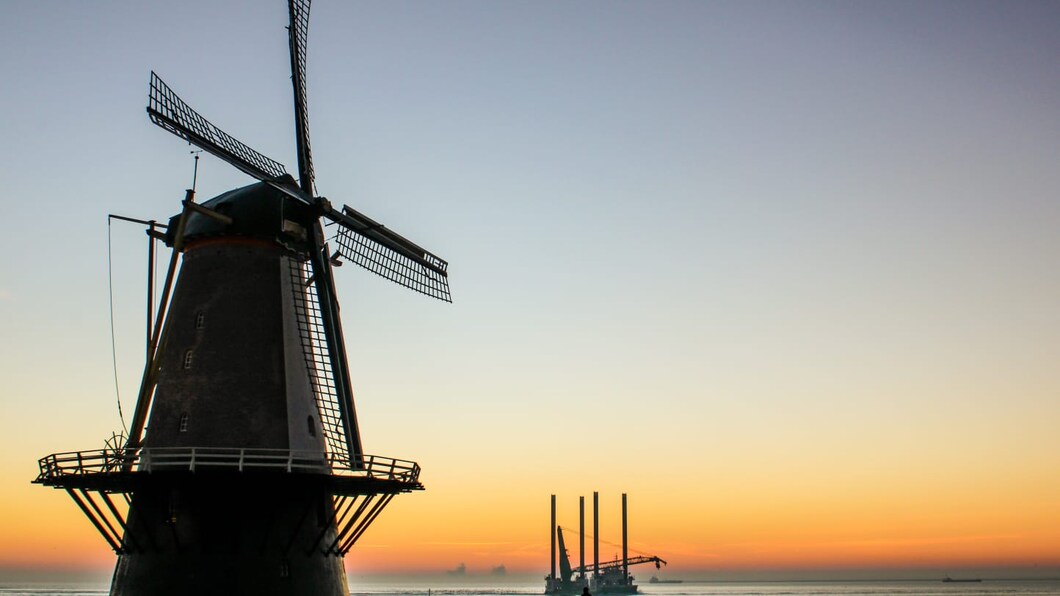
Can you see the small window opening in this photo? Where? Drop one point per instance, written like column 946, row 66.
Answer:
column 184, row 422
column 200, row 320
column 188, row 358
column 312, row 426
column 285, row 569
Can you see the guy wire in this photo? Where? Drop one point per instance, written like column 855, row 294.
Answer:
column 113, row 343
column 607, row 542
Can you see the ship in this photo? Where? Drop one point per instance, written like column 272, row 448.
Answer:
column 950, row 580
column 601, row 578
column 655, row 580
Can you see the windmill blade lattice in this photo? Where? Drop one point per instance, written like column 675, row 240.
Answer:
column 312, row 334
column 391, row 264
column 299, row 32
column 170, row 112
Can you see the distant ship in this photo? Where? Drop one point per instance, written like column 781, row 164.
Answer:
column 950, row 580
column 606, row 578
column 655, row 580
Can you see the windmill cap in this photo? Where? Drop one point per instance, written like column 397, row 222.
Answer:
column 257, row 211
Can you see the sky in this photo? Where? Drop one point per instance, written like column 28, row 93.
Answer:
column 783, row 272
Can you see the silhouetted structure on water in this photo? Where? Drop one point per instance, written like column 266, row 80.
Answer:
column 609, row 577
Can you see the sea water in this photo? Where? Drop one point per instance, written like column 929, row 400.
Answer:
column 796, row 588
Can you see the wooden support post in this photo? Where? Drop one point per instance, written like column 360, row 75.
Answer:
column 367, row 522
column 95, row 522
column 366, row 500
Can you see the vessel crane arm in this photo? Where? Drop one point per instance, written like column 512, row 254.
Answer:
column 617, row 563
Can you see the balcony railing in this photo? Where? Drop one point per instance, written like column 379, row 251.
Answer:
column 190, row 459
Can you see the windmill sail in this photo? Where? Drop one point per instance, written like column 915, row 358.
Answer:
column 170, row 112
column 312, row 333
column 374, row 247
column 298, row 33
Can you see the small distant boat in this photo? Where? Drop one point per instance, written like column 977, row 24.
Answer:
column 950, row 580
column 655, row 580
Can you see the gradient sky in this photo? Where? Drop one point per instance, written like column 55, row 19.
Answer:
column 786, row 273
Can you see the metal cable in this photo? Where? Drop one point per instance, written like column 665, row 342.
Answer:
column 113, row 342
column 607, row 542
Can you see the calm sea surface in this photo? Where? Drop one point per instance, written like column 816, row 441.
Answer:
column 925, row 588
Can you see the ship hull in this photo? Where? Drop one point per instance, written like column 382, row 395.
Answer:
column 633, row 589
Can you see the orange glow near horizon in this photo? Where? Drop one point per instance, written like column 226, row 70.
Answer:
column 819, row 508
column 416, row 537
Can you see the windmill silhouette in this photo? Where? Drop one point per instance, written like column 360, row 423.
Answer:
column 243, row 471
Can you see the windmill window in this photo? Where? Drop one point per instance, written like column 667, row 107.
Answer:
column 200, row 320
column 188, row 358
column 184, row 422
column 312, row 426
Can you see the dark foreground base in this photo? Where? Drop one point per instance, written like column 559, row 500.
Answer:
column 202, row 575
column 210, row 536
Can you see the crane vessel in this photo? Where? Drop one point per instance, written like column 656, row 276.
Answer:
column 608, row 577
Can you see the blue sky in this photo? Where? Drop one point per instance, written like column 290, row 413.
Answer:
column 719, row 226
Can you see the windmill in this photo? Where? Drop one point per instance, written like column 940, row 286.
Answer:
column 243, row 470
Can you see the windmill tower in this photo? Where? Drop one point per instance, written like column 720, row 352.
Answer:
column 244, row 471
